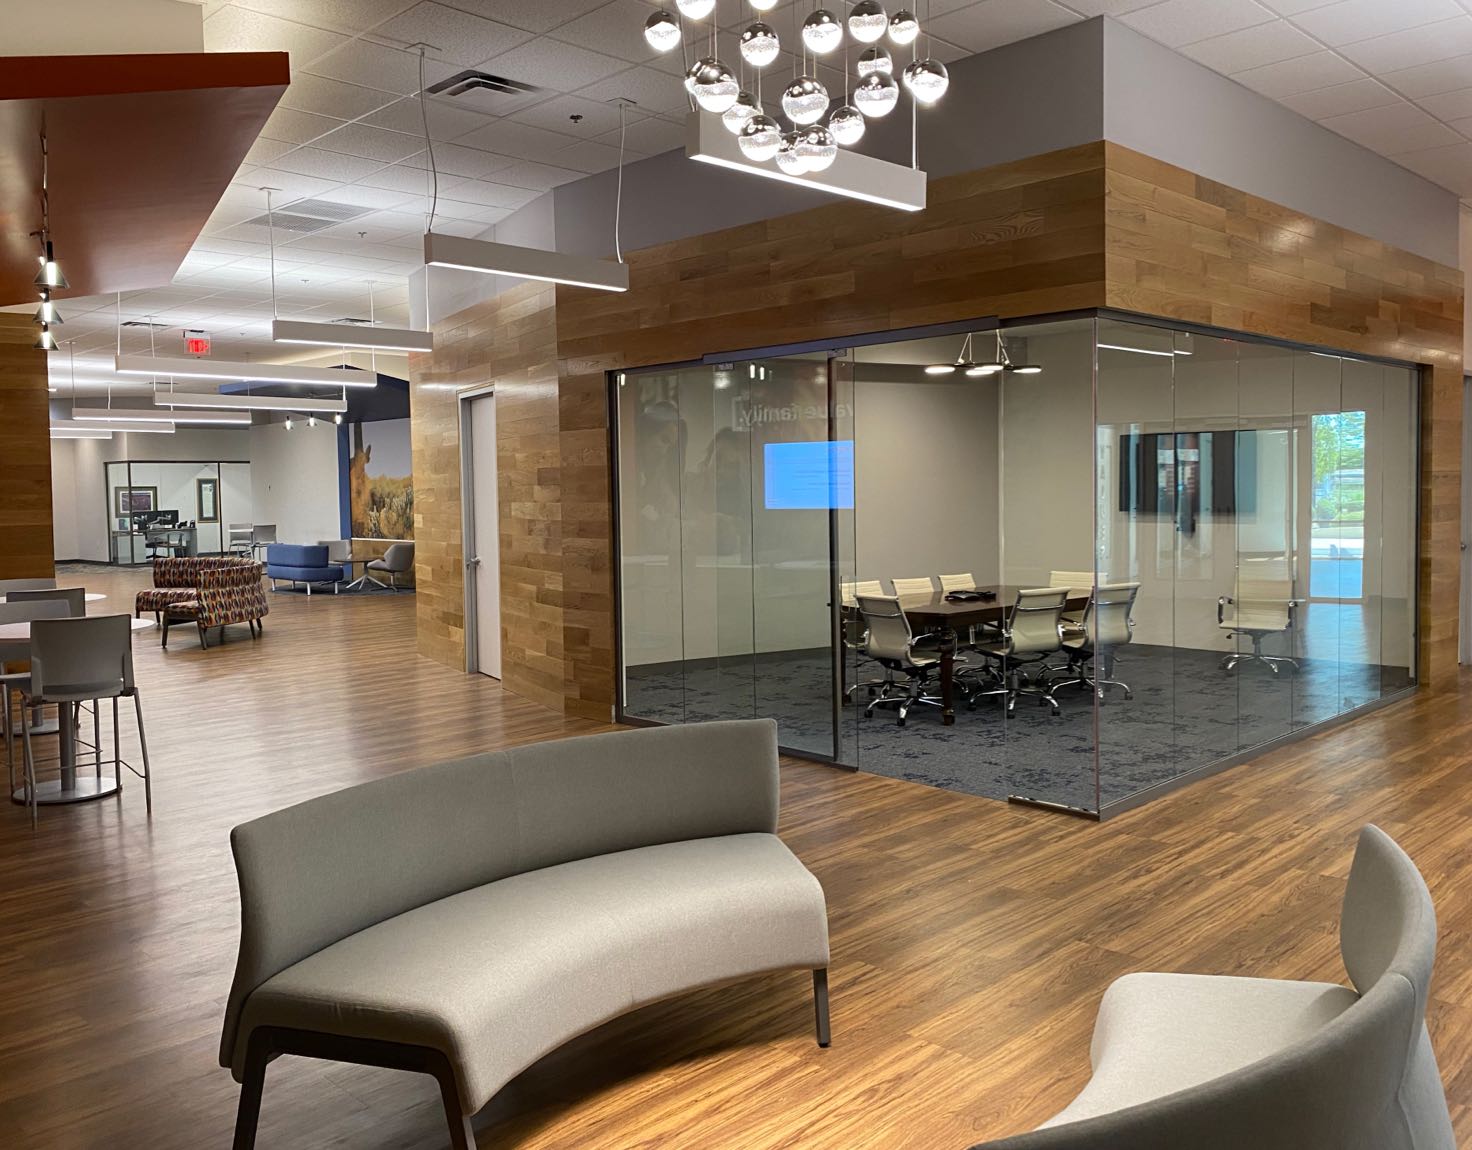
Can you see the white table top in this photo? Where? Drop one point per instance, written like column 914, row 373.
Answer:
column 94, row 596
column 21, row 632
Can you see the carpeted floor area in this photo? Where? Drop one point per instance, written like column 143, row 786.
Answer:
column 1186, row 712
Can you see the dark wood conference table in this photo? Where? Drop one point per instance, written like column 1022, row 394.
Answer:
column 934, row 614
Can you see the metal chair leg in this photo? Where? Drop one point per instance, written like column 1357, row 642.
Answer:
column 30, row 768
column 117, row 748
column 820, row 1006
column 143, row 742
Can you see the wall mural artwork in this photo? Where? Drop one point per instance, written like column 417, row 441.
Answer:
column 381, row 481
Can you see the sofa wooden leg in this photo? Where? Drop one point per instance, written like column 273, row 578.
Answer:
column 247, row 1116
column 462, row 1137
column 204, row 638
column 820, row 1005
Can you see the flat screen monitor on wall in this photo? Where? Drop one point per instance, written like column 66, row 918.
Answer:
column 814, row 475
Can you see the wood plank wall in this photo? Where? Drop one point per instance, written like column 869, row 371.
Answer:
column 1091, row 226
column 1183, row 246
column 26, row 546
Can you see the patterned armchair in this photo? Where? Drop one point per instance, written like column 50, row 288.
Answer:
column 173, row 582
column 209, row 592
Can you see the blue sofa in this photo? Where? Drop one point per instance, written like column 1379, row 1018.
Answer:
column 301, row 564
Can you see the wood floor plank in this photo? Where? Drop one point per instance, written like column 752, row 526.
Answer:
column 971, row 940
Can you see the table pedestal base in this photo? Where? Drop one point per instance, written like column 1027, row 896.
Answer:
column 86, row 788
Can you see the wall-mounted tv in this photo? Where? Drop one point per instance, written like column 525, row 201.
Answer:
column 1181, row 474
column 813, row 475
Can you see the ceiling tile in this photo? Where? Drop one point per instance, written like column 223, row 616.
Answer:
column 297, row 127
column 264, row 150
column 591, row 156
column 533, row 15
column 1252, row 47
column 650, row 136
column 618, row 30
column 1177, row 22
column 326, row 165
column 541, row 177
column 309, row 93
column 456, row 35
column 1449, row 106
column 652, row 91
column 555, row 115
column 1294, row 7
column 379, row 198
column 234, row 29
column 1303, row 74
column 1339, row 99
column 370, row 143
column 1449, row 166
column 1394, row 128
column 488, row 193
column 457, row 160
column 1422, row 45
column 1429, row 79
column 993, row 23
column 351, row 16
column 409, row 180
column 445, row 121
column 1350, row 20
column 379, row 66
column 554, row 65
column 513, row 139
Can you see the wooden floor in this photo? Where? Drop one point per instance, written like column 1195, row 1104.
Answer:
column 971, row 940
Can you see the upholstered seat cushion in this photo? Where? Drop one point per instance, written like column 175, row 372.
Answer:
column 157, row 598
column 501, row 974
column 1160, row 1033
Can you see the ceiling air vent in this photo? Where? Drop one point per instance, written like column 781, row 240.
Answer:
column 484, row 91
column 144, row 323
column 357, row 322
column 311, row 215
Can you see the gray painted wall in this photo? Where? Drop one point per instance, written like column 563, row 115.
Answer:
column 1160, row 103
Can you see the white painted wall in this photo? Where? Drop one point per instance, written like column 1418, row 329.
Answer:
column 294, row 480
column 64, row 499
column 102, row 27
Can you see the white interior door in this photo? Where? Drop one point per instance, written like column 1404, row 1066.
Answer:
column 485, row 558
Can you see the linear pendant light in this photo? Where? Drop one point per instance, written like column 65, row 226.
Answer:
column 181, row 368
column 248, row 402
column 852, row 174
column 134, row 414
column 67, row 431
column 442, row 251
column 142, row 426
column 350, row 335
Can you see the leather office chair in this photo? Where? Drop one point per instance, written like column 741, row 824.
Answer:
column 396, row 560
column 949, row 583
column 921, row 586
column 1262, row 604
column 1106, row 626
column 856, row 634
column 261, row 535
column 894, row 647
column 1032, row 631
column 1079, row 583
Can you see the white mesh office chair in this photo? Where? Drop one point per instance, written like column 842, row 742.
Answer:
column 856, row 634
column 1106, row 626
column 924, row 585
column 80, row 660
column 1261, row 605
column 893, row 646
column 1032, row 631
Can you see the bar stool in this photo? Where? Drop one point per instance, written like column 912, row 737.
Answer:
column 19, row 651
column 78, row 660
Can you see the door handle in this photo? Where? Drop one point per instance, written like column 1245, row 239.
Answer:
column 473, row 561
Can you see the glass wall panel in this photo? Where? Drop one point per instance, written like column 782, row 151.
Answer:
column 1333, row 449
column 1398, row 496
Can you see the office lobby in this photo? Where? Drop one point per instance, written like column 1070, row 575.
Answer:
column 746, row 574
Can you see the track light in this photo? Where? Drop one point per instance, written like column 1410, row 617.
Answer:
column 50, row 275
column 46, row 341
column 941, row 368
column 311, row 421
column 337, row 418
column 288, row 423
column 47, row 312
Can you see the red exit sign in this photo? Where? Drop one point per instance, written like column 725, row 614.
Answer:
column 197, row 344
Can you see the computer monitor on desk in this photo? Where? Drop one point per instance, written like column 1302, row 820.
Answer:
column 142, row 520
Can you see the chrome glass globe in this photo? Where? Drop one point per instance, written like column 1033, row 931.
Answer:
column 662, row 31
column 903, row 27
column 789, row 159
column 715, row 88
column 847, row 125
column 759, row 45
column 690, row 75
column 737, row 114
column 760, row 138
column 822, row 32
column 765, row 5
column 696, row 9
column 817, row 148
column 927, row 80
column 875, row 59
column 867, row 21
column 876, row 94
column 805, row 100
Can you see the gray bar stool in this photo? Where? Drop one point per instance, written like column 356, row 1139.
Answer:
column 77, row 660
column 19, row 652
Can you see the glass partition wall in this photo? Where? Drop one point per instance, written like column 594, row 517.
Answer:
column 1070, row 563
column 174, row 507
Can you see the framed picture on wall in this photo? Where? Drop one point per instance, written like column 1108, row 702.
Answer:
column 131, row 500
column 207, row 500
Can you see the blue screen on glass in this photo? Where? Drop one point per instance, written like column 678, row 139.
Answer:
column 810, row 476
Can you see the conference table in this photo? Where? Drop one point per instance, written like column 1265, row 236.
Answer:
column 932, row 613
column 68, row 788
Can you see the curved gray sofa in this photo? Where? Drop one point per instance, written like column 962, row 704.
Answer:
column 1211, row 1063
column 465, row 919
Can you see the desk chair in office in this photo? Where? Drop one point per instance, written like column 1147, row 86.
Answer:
column 160, row 540
column 1105, row 627
column 894, row 647
column 1032, row 631
column 396, row 560
column 261, row 535
column 949, row 583
column 1079, row 584
column 1261, row 604
column 856, row 634
column 240, row 538
column 924, row 585
column 74, row 661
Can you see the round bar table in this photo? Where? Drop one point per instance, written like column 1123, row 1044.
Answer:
column 68, row 788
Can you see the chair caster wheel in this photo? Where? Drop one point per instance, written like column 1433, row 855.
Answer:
column 900, row 722
column 1129, row 694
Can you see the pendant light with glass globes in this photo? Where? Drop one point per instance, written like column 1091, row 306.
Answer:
column 662, row 31
column 867, row 21
column 760, row 45
column 821, row 32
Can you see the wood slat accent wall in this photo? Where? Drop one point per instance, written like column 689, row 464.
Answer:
column 1183, row 246
column 1092, row 226
column 26, row 547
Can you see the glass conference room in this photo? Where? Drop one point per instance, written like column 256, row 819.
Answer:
column 1253, row 504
